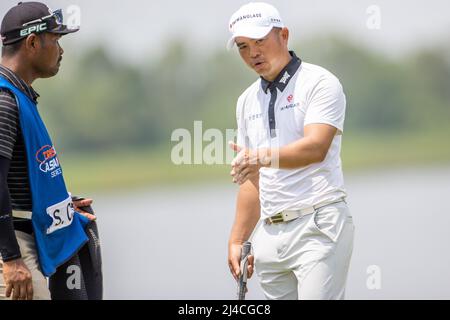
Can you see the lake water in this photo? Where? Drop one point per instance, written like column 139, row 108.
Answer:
column 171, row 243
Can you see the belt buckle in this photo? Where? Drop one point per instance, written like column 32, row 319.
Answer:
column 278, row 218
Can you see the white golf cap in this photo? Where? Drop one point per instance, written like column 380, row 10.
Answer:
column 253, row 20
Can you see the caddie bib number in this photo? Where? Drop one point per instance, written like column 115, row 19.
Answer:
column 62, row 215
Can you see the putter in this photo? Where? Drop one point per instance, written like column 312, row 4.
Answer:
column 242, row 281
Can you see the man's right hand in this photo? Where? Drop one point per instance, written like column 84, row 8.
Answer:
column 234, row 260
column 18, row 280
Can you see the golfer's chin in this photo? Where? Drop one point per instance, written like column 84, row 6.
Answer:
column 264, row 72
column 260, row 69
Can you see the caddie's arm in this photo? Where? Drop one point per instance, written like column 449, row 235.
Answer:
column 16, row 276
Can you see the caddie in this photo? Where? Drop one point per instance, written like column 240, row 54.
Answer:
column 40, row 226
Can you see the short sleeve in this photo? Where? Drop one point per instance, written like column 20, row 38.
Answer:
column 240, row 119
column 327, row 104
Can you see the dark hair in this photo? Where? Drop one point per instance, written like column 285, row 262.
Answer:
column 277, row 29
column 10, row 50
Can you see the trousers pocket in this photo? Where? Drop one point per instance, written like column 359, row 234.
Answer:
column 330, row 220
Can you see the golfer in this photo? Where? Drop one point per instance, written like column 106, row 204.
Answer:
column 288, row 167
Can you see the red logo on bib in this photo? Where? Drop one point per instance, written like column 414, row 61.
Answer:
column 45, row 153
column 290, row 98
column 48, row 161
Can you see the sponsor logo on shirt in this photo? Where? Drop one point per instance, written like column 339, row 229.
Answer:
column 285, row 77
column 254, row 116
column 290, row 106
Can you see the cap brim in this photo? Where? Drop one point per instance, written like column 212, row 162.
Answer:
column 252, row 33
column 63, row 29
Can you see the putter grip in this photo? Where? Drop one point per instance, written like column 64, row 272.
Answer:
column 242, row 282
column 246, row 250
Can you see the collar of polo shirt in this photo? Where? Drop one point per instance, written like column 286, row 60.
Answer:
column 283, row 78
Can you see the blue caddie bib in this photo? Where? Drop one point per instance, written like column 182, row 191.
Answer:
column 58, row 229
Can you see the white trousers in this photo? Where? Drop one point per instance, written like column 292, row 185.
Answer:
column 307, row 258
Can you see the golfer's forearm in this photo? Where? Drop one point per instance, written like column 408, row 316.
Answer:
column 247, row 212
column 298, row 154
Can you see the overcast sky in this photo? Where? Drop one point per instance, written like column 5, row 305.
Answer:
column 146, row 26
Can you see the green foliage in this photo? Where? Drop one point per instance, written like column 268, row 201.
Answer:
column 99, row 105
column 407, row 95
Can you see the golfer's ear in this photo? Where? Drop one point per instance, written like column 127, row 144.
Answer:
column 285, row 34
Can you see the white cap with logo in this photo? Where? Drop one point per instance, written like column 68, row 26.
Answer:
column 253, row 20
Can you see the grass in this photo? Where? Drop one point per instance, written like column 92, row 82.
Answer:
column 133, row 169
column 130, row 169
column 362, row 152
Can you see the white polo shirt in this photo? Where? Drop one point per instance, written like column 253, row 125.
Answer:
column 305, row 94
